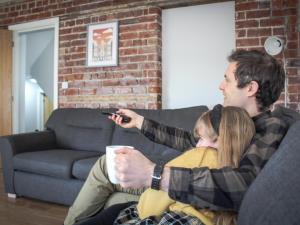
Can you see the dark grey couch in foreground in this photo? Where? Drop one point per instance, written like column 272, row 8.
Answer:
column 274, row 196
column 52, row 165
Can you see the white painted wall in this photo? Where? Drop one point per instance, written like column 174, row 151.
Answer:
column 40, row 58
column 196, row 41
column 33, row 107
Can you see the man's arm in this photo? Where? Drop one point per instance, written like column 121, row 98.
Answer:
column 170, row 136
column 224, row 189
column 216, row 189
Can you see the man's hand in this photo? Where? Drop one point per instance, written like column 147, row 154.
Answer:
column 133, row 169
column 136, row 119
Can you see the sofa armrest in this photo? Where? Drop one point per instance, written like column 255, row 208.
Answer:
column 18, row 143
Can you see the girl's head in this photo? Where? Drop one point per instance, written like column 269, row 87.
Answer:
column 229, row 129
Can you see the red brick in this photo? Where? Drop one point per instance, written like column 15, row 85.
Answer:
column 13, row 14
column 148, row 34
column 79, row 29
column 284, row 12
column 71, row 91
column 277, row 4
column 139, row 90
column 139, row 42
column 59, row 12
column 110, row 83
column 92, row 84
column 258, row 14
column 155, row 10
column 126, row 43
column 291, row 72
column 246, row 24
column 272, row 22
column 87, row 91
column 65, row 31
column 293, row 88
column 105, row 90
column 292, row 44
column 125, row 36
column 291, row 3
column 240, row 15
column 132, row 28
column 147, row 50
column 128, row 51
column 244, row 6
column 76, row 84
column 122, row 90
column 278, row 31
column 247, row 42
column 259, row 32
column 154, row 89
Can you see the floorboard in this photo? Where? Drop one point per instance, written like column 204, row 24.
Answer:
column 25, row 211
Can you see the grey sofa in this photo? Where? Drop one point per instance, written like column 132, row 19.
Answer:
column 52, row 165
column 274, row 196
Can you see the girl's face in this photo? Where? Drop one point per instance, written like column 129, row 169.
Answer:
column 204, row 139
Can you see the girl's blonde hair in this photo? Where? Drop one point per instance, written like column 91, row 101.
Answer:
column 236, row 130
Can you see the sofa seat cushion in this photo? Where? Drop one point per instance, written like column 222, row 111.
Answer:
column 82, row 167
column 54, row 163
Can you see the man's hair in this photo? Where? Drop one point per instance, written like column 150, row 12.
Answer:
column 253, row 65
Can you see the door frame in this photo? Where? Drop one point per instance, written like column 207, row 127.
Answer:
column 27, row 27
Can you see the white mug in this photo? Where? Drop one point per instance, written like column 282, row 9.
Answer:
column 110, row 161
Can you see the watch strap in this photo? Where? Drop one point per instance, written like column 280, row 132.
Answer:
column 156, row 177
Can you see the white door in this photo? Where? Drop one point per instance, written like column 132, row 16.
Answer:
column 35, row 56
column 196, row 41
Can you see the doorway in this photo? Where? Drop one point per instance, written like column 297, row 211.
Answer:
column 35, row 59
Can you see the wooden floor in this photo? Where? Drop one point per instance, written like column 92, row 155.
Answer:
column 24, row 211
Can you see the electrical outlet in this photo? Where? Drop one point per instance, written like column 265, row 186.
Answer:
column 64, row 85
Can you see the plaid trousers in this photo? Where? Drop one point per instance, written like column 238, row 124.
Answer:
column 129, row 216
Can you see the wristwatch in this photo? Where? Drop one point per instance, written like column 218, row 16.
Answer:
column 156, row 177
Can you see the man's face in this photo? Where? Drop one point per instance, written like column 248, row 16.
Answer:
column 233, row 96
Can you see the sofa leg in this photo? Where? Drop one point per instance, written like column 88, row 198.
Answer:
column 10, row 195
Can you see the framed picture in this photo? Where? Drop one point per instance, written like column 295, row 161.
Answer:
column 102, row 46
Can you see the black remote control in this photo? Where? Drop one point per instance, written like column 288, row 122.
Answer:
column 125, row 119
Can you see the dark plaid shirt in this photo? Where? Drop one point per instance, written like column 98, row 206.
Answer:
column 218, row 189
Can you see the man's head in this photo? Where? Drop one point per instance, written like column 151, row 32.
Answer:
column 252, row 77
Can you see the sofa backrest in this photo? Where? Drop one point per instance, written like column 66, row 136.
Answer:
column 273, row 197
column 88, row 129
column 81, row 129
column 184, row 118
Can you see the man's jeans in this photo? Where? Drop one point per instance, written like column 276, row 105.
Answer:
column 96, row 193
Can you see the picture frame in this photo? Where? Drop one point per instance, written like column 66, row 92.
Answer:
column 102, row 44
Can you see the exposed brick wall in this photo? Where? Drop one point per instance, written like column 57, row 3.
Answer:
column 257, row 20
column 136, row 81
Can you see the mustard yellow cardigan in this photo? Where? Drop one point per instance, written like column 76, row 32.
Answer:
column 154, row 203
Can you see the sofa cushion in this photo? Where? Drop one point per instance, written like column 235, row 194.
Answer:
column 82, row 167
column 171, row 117
column 273, row 197
column 81, row 129
column 55, row 163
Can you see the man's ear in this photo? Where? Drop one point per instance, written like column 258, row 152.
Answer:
column 252, row 88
